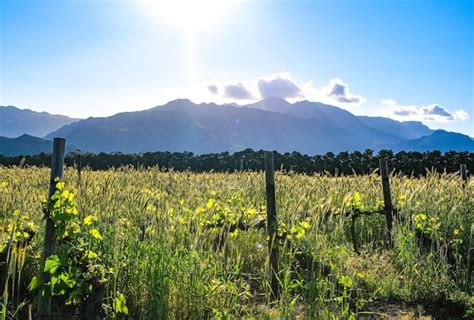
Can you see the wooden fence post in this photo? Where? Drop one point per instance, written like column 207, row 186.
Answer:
column 387, row 197
column 79, row 167
column 57, row 165
column 463, row 169
column 272, row 223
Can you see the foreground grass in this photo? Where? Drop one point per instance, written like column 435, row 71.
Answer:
column 169, row 263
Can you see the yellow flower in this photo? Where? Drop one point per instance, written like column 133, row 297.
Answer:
column 304, row 225
column 456, row 232
column 210, row 203
column 91, row 254
column 96, row 234
column 251, row 211
column 60, row 185
column 88, row 220
column 65, row 194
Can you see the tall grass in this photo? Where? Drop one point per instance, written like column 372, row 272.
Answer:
column 170, row 264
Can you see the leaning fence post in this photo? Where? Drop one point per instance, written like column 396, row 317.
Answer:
column 57, row 165
column 272, row 223
column 387, row 198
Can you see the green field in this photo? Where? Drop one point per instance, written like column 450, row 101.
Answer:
column 163, row 245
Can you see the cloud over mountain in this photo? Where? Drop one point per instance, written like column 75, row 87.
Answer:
column 432, row 112
column 278, row 86
column 213, row 89
column 339, row 91
column 283, row 85
column 237, row 91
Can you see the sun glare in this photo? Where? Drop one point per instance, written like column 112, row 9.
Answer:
column 189, row 16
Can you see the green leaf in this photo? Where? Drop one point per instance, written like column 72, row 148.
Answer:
column 52, row 264
column 33, row 283
column 68, row 279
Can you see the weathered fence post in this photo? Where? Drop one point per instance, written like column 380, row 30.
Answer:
column 241, row 164
column 272, row 223
column 463, row 169
column 79, row 167
column 387, row 197
column 57, row 165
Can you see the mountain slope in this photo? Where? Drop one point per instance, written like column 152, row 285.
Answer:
column 24, row 145
column 405, row 129
column 15, row 122
column 328, row 114
column 439, row 140
column 181, row 125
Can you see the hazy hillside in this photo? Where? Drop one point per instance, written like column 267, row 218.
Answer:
column 405, row 129
column 24, row 145
column 438, row 140
column 15, row 122
column 337, row 117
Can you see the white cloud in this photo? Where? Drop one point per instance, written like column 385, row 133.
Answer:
column 237, row 91
column 461, row 115
column 338, row 90
column 283, row 85
column 432, row 112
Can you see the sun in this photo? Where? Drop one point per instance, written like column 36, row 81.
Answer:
column 189, row 16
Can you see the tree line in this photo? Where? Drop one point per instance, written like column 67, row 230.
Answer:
column 342, row 163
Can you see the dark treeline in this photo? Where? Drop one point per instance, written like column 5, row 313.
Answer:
column 342, row 163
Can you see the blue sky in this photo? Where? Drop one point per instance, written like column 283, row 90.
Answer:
column 409, row 60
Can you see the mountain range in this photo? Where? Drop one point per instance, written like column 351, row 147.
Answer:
column 15, row 122
column 271, row 124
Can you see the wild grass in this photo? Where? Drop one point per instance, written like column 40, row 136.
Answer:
column 170, row 264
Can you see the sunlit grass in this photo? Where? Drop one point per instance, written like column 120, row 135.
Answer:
column 170, row 263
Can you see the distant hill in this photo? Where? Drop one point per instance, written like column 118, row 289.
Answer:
column 15, row 122
column 439, row 140
column 405, row 129
column 24, row 145
column 28, row 145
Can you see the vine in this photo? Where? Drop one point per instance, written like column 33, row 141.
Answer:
column 77, row 271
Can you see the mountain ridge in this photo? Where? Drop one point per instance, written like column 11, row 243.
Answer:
column 15, row 122
column 272, row 124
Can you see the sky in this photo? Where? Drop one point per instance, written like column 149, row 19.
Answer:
column 407, row 60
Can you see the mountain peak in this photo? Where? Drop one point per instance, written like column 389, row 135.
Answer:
column 274, row 104
column 181, row 101
column 274, row 100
